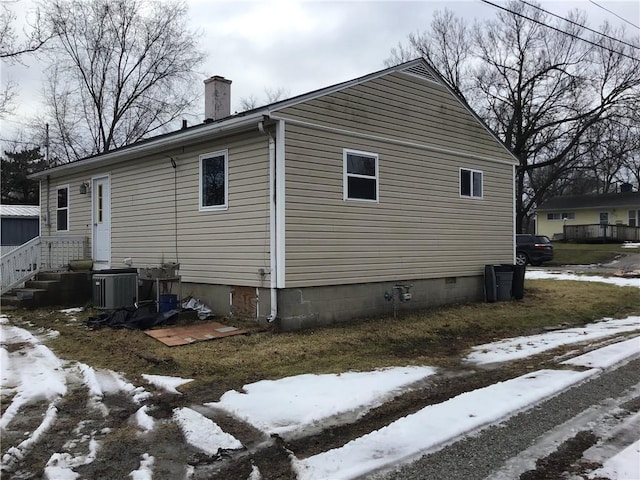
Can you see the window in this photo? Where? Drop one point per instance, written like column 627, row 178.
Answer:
column 634, row 218
column 470, row 183
column 561, row 216
column 360, row 176
column 62, row 209
column 213, row 181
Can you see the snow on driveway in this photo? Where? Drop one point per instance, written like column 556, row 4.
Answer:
column 623, row 466
column 436, row 425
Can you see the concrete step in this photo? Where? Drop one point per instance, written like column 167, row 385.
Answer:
column 42, row 284
column 27, row 297
column 50, row 275
column 9, row 301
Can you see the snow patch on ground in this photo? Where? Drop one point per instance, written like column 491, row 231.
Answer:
column 297, row 404
column 621, row 282
column 168, row 384
column 144, row 420
column 70, row 311
column 631, row 245
column 202, row 433
column 32, row 372
column 145, row 471
column 522, row 347
column 111, row 382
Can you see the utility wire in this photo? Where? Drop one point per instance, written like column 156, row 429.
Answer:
column 560, row 30
column 580, row 25
column 615, row 14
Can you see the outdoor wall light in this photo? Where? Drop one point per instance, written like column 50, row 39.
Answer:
column 84, row 188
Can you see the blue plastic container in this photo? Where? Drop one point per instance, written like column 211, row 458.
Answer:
column 168, row 302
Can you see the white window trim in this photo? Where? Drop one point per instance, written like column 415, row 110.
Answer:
column 561, row 218
column 204, row 156
column 345, row 176
column 460, row 183
column 68, row 207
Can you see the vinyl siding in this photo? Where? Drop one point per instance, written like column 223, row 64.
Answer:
column 216, row 247
column 79, row 206
column 403, row 107
column 421, row 227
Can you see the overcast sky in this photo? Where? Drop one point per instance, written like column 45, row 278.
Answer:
column 301, row 46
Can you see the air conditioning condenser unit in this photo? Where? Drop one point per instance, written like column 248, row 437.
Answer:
column 115, row 290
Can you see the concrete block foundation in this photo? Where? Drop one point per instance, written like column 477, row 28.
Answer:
column 309, row 307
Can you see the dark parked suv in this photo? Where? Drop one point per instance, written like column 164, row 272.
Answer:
column 533, row 249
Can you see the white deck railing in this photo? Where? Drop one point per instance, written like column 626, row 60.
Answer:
column 20, row 264
column 38, row 254
column 57, row 252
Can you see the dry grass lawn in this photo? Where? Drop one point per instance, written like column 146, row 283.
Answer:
column 432, row 337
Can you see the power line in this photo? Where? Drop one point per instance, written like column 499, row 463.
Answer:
column 581, row 26
column 615, row 14
column 560, row 30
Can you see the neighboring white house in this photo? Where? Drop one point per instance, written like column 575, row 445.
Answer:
column 308, row 210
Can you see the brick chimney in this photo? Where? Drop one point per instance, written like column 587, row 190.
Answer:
column 217, row 98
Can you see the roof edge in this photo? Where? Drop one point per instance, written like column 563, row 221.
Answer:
column 165, row 141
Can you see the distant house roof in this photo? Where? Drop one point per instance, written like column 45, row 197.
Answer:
column 606, row 200
column 19, row 210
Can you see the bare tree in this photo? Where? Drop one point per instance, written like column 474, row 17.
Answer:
column 538, row 84
column 271, row 95
column 13, row 46
column 121, row 70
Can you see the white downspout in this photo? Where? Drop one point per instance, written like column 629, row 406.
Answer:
column 273, row 257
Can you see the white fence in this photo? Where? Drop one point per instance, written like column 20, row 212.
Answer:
column 40, row 253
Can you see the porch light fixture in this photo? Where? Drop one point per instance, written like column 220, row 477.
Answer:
column 84, row 188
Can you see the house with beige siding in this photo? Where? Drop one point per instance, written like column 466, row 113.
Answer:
column 336, row 204
column 614, row 216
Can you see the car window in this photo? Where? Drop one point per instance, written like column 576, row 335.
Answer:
column 542, row 239
column 524, row 239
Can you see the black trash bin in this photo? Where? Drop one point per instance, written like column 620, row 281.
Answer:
column 504, row 282
column 518, row 281
column 490, row 293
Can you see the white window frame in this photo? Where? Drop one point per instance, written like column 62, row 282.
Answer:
column 561, row 216
column 345, row 176
column 67, row 208
column 635, row 216
column 471, row 189
column 206, row 156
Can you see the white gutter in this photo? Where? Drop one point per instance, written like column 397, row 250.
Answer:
column 149, row 147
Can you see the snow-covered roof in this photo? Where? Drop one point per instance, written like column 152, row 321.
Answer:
column 19, row 210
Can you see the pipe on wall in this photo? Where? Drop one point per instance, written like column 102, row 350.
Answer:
column 273, row 259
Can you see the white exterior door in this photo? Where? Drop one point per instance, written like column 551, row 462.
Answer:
column 101, row 199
